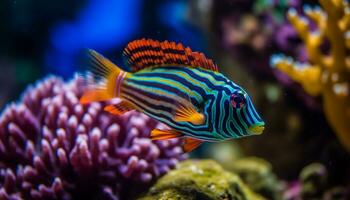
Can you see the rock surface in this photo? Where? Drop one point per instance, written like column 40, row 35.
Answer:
column 200, row 180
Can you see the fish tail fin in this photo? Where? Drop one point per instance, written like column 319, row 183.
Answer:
column 103, row 81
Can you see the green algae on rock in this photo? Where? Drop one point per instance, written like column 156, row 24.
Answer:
column 258, row 175
column 202, row 180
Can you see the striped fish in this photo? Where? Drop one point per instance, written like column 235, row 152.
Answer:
column 178, row 87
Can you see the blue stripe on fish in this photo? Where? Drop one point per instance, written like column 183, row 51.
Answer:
column 180, row 88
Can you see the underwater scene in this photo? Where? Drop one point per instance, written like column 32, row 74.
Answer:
column 175, row 100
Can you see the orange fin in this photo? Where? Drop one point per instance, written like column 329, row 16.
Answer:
column 146, row 53
column 157, row 134
column 92, row 95
column 191, row 144
column 103, row 81
column 120, row 108
column 187, row 113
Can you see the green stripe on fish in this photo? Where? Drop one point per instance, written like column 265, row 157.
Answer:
column 178, row 87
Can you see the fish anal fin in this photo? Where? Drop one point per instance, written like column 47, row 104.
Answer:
column 146, row 53
column 157, row 134
column 190, row 144
column 120, row 108
column 187, row 113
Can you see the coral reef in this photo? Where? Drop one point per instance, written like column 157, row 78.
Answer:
column 313, row 179
column 196, row 180
column 52, row 147
column 254, row 29
column 314, row 183
column 326, row 74
column 258, row 175
column 297, row 124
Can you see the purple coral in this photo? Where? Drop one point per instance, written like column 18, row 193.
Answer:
column 52, row 147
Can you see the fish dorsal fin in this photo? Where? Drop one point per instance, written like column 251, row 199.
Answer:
column 146, row 53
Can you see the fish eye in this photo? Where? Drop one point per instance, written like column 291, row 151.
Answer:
column 238, row 99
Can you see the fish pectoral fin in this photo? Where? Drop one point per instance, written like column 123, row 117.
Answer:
column 191, row 144
column 189, row 114
column 157, row 134
column 120, row 108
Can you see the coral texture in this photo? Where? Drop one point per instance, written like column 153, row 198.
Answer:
column 326, row 74
column 252, row 30
column 204, row 179
column 52, row 147
column 314, row 183
column 313, row 179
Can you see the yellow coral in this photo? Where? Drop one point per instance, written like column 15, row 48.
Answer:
column 325, row 74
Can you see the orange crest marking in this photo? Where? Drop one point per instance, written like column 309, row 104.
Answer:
column 147, row 53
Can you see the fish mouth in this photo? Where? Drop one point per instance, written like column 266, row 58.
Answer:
column 257, row 129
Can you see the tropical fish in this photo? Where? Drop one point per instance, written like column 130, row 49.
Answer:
column 178, row 87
